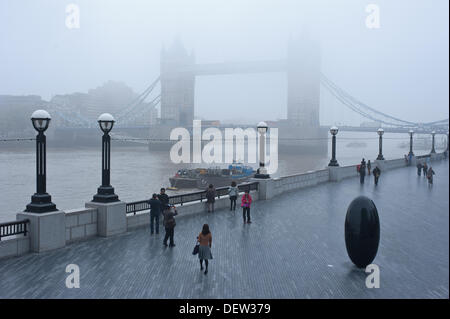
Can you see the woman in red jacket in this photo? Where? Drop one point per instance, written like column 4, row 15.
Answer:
column 245, row 204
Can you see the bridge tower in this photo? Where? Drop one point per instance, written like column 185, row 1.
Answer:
column 303, row 73
column 177, row 88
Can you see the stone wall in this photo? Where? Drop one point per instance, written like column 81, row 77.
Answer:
column 81, row 224
column 14, row 247
column 292, row 182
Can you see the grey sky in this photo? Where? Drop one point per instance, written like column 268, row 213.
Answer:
column 401, row 69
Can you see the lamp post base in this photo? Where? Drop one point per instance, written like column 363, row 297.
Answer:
column 105, row 194
column 265, row 176
column 380, row 158
column 41, row 203
column 333, row 163
column 410, row 154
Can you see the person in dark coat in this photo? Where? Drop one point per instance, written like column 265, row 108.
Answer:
column 425, row 169
column 419, row 168
column 376, row 174
column 430, row 174
column 210, row 197
column 362, row 171
column 163, row 197
column 155, row 211
column 169, row 224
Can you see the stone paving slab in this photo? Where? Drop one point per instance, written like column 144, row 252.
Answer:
column 294, row 248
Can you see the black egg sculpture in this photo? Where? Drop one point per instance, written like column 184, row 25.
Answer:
column 362, row 231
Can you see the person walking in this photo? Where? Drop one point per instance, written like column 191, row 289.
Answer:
column 376, row 174
column 210, row 197
column 233, row 192
column 430, row 174
column 419, row 168
column 169, row 225
column 204, row 249
column 369, row 166
column 425, row 169
column 163, row 197
column 246, row 202
column 362, row 171
column 155, row 211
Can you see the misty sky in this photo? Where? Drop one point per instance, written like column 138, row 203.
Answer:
column 401, row 69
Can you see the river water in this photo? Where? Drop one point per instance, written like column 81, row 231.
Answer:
column 73, row 174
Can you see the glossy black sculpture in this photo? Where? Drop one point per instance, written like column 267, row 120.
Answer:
column 362, row 231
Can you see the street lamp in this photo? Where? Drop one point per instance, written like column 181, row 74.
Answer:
column 262, row 130
column 433, row 151
column 105, row 193
column 411, row 132
column 380, row 145
column 41, row 202
column 333, row 162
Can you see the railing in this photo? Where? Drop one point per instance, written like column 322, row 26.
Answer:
column 14, row 228
column 181, row 199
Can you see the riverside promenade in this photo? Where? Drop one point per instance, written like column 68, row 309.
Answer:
column 294, row 248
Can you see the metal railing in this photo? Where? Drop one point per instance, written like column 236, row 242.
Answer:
column 14, row 228
column 133, row 207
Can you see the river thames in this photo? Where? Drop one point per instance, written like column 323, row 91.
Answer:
column 73, row 174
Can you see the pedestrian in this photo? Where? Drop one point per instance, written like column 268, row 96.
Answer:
column 430, row 174
column 369, row 166
column 233, row 192
column 169, row 224
column 362, row 171
column 204, row 249
column 163, row 197
column 246, row 202
column 155, row 211
column 376, row 174
column 419, row 168
column 425, row 169
column 210, row 197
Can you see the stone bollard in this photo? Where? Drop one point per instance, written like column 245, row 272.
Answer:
column 111, row 217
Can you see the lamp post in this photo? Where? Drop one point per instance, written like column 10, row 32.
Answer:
column 41, row 202
column 447, row 142
column 433, row 151
column 262, row 171
column 380, row 144
column 105, row 193
column 333, row 162
column 411, row 132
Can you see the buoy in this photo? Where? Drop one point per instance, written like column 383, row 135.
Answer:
column 362, row 231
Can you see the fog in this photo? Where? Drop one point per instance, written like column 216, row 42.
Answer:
column 401, row 68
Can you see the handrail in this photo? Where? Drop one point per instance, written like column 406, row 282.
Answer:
column 133, row 207
column 13, row 228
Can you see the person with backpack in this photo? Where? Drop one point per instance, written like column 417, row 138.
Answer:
column 419, row 168
column 169, row 224
column 430, row 174
column 376, row 174
column 210, row 197
column 246, row 202
column 155, row 211
column 425, row 169
column 233, row 192
column 204, row 248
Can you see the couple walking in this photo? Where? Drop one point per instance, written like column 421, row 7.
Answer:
column 246, row 201
column 160, row 203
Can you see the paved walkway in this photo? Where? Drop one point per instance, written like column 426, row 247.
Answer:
column 295, row 248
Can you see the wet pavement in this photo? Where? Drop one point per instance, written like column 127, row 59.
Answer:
column 294, row 248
